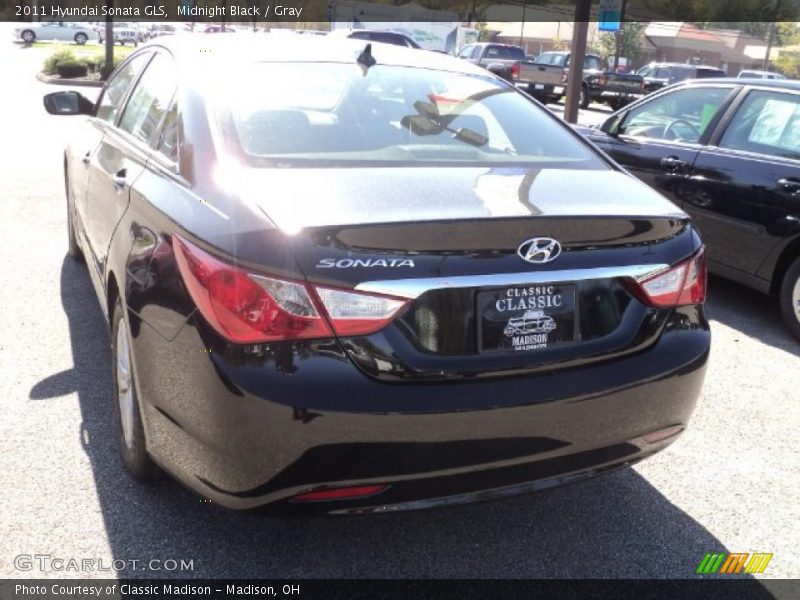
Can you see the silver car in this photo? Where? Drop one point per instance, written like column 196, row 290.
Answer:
column 50, row 31
column 123, row 34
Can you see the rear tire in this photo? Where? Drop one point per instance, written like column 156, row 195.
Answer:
column 583, row 100
column 790, row 297
column 130, row 428
column 28, row 36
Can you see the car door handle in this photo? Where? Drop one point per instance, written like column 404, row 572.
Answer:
column 120, row 178
column 672, row 163
column 789, row 184
column 87, row 157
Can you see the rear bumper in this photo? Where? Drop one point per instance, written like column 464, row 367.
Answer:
column 251, row 428
column 549, row 90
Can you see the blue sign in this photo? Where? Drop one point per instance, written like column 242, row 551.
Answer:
column 609, row 20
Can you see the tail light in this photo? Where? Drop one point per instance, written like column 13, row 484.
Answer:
column 343, row 493
column 564, row 75
column 603, row 79
column 682, row 284
column 515, row 70
column 247, row 308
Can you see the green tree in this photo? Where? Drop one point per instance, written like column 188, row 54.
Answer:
column 630, row 45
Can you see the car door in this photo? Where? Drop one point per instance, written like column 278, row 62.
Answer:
column 85, row 145
column 86, row 140
column 47, row 31
column 63, row 32
column 658, row 139
column 122, row 154
column 746, row 185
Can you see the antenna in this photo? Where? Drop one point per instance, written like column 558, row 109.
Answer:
column 365, row 59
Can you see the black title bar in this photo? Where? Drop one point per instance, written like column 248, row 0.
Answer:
column 320, row 11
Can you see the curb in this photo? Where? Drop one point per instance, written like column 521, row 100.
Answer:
column 74, row 82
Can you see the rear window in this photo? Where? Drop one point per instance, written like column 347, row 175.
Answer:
column 335, row 113
column 505, row 53
column 558, row 60
column 592, row 63
column 707, row 73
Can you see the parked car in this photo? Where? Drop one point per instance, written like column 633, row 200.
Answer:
column 395, row 38
column 218, row 29
column 79, row 33
column 160, row 29
column 505, row 60
column 750, row 74
column 599, row 84
column 727, row 151
column 123, row 34
column 659, row 75
column 340, row 342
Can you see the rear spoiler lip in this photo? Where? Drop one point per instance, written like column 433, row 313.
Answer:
column 414, row 288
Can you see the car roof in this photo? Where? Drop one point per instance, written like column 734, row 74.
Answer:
column 210, row 52
column 497, row 44
column 660, row 65
column 788, row 84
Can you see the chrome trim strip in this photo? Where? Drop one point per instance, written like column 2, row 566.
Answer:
column 414, row 288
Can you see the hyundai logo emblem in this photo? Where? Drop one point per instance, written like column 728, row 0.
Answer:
column 539, row 250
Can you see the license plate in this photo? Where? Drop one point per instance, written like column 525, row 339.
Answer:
column 558, row 90
column 526, row 318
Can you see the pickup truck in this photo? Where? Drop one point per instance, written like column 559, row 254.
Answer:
column 599, row 85
column 508, row 62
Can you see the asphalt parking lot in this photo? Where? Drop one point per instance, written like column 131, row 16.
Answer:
column 731, row 483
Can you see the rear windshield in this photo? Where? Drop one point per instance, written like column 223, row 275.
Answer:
column 505, row 53
column 706, row 73
column 558, row 60
column 333, row 113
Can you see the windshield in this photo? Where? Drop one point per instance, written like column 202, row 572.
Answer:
column 337, row 113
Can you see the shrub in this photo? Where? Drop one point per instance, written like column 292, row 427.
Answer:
column 72, row 68
column 54, row 59
column 94, row 63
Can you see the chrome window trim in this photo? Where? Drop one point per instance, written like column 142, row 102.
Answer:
column 414, row 288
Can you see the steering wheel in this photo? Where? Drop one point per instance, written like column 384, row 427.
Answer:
column 670, row 134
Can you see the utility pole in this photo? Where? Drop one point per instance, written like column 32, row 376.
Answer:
column 771, row 34
column 618, row 36
column 577, row 55
column 108, row 64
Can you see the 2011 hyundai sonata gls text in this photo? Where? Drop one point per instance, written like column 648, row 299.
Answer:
column 361, row 277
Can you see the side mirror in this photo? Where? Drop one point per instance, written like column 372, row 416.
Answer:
column 68, row 103
column 611, row 125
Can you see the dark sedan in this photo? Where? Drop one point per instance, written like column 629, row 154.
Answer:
column 315, row 286
column 727, row 151
column 659, row 75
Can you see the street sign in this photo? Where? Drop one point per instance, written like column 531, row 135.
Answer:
column 609, row 15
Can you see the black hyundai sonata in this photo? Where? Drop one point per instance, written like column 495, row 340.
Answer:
column 362, row 278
